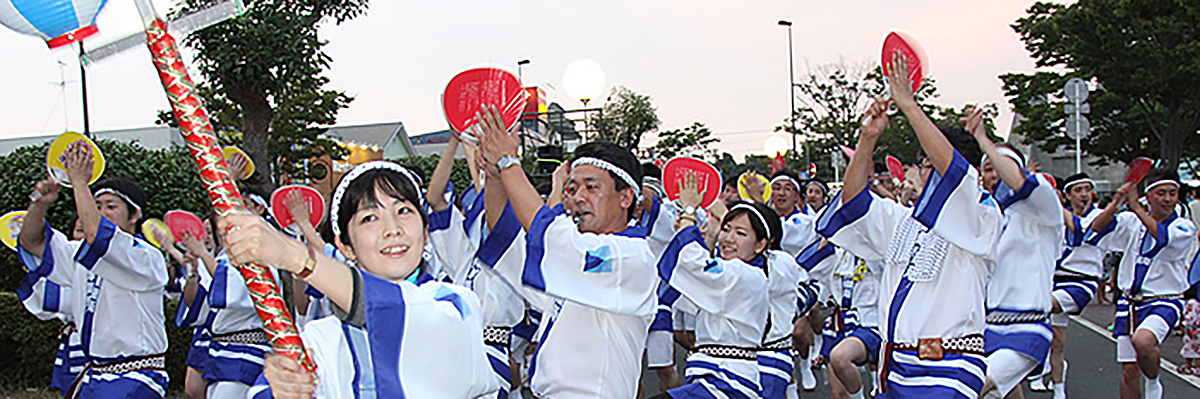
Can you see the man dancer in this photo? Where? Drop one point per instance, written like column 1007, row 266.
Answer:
column 596, row 270
column 938, row 256
column 1152, row 275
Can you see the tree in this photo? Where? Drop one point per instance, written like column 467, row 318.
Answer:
column 263, row 77
column 695, row 140
column 1143, row 57
column 626, row 119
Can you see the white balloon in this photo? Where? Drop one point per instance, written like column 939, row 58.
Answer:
column 775, row 145
column 583, row 79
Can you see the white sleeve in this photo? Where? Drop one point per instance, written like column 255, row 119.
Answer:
column 1036, row 199
column 953, row 206
column 56, row 262
column 608, row 272
column 44, row 298
column 123, row 260
column 196, row 313
column 798, row 233
column 864, row 225
column 1116, row 235
column 1174, row 241
column 450, row 242
column 503, row 252
column 712, row 284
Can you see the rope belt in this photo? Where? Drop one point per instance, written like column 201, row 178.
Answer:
column 931, row 349
column 1002, row 317
column 245, row 337
column 139, row 363
column 1135, row 300
column 497, row 336
column 728, row 352
column 781, row 344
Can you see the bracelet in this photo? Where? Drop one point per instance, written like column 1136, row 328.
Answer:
column 309, row 264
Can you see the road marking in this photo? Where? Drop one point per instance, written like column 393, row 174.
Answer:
column 1164, row 364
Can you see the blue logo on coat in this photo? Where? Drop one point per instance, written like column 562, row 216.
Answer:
column 447, row 295
column 598, row 260
column 714, row 267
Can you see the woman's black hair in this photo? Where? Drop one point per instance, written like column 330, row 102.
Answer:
column 362, row 191
column 127, row 187
column 773, row 231
column 963, row 142
column 622, row 158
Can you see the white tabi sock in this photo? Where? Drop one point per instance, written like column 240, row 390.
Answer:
column 1153, row 389
column 807, row 378
column 857, row 395
column 1060, row 390
column 791, row 391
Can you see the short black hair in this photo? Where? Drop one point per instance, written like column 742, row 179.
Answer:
column 1066, row 183
column 651, row 170
column 1159, row 174
column 773, row 229
column 963, row 142
column 881, row 167
column 362, row 191
column 129, row 188
column 620, row 157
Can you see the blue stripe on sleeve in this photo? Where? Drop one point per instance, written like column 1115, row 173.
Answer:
column 814, row 254
column 938, row 189
column 31, row 263
column 50, row 297
column 1093, row 237
column 26, row 289
column 89, row 254
column 536, row 246
column 833, row 219
column 670, row 256
column 1031, row 182
column 1160, row 241
column 501, row 237
column 385, row 305
column 440, row 220
column 1075, row 238
column 189, row 314
column 217, row 296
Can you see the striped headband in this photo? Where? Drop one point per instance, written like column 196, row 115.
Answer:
column 1005, row 151
column 108, row 190
column 336, row 203
column 754, row 210
column 1084, row 180
column 788, row 178
column 602, row 164
column 1151, row 186
column 654, row 184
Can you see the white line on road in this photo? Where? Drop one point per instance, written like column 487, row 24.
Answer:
column 1165, row 365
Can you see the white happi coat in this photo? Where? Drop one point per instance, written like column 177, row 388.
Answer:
column 1029, row 244
column 1151, row 266
column 1080, row 256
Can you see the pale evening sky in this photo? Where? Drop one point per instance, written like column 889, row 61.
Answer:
column 724, row 63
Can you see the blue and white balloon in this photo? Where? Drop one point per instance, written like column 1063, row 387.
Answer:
column 58, row 22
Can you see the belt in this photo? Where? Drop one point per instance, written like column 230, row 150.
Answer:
column 1134, row 301
column 497, row 336
column 781, row 344
column 1002, row 317
column 149, row 362
column 67, row 329
column 930, row 349
column 728, row 352
column 245, row 337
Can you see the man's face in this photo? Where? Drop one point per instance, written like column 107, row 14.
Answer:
column 117, row 211
column 596, row 205
column 647, row 200
column 884, row 181
column 1080, row 195
column 784, row 197
column 1162, row 199
column 729, row 194
column 989, row 177
column 815, row 196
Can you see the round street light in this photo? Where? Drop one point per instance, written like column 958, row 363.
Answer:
column 583, row 80
column 775, row 145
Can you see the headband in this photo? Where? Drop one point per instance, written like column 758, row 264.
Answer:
column 788, row 178
column 824, row 188
column 1067, row 186
column 1159, row 183
column 654, row 184
column 754, row 210
column 258, row 199
column 602, row 164
column 358, row 171
column 1005, row 151
column 112, row 191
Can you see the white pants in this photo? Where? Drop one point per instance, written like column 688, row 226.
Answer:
column 1007, row 368
column 1154, row 324
column 660, row 349
column 227, row 389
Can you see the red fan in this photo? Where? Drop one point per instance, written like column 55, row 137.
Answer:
column 914, row 55
column 1137, row 170
column 707, row 175
column 184, row 222
column 283, row 215
column 469, row 91
column 1053, row 183
column 895, row 168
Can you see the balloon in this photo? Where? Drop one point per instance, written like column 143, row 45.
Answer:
column 58, row 22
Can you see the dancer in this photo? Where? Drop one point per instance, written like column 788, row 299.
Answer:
column 1152, row 275
column 46, row 300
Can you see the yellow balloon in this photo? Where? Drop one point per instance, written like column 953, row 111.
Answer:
column 55, row 167
column 10, row 228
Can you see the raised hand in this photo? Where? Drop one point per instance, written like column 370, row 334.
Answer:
column 497, row 140
column 690, row 194
column 249, row 239
column 78, row 160
column 287, row 379
column 298, row 207
column 755, row 188
column 973, row 122
column 237, row 166
column 899, row 83
column 44, row 193
column 876, row 119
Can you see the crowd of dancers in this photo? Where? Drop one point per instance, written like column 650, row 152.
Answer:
column 954, row 284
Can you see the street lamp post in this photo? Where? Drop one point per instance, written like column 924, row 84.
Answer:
column 520, row 74
column 792, row 95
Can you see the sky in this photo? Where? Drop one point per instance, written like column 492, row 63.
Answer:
column 720, row 62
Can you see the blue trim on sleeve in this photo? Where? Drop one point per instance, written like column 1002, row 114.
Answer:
column 350, row 341
column 834, row 219
column 27, row 259
column 50, row 297
column 1161, row 241
column 670, row 256
column 536, row 246
column 472, row 211
column 651, row 216
column 385, row 304
column 501, row 237
column 188, row 314
column 1075, row 238
column 929, row 205
column 814, row 254
column 26, row 289
column 1093, row 237
column 1031, row 182
column 440, row 220
column 89, row 254
column 314, row 292
column 217, row 295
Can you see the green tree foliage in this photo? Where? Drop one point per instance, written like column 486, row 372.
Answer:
column 626, row 119
column 695, row 140
column 263, row 77
column 1143, row 60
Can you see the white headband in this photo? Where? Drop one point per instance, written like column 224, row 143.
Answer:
column 655, row 185
column 1151, row 186
column 1008, row 152
column 788, row 178
column 602, row 164
column 754, row 210
column 107, row 190
column 336, row 202
column 258, row 199
column 1083, row 180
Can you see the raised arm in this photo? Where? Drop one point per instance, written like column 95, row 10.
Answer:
column 498, row 142
column 557, row 181
column 33, row 227
column 1008, row 169
column 78, row 160
column 858, row 173
column 1140, row 210
column 441, row 175
column 1110, row 212
column 299, row 210
column 936, row 146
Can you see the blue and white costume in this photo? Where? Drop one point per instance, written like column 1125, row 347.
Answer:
column 456, row 238
column 47, row 300
column 659, row 223
column 798, row 232
column 1152, row 275
column 603, row 300
column 855, row 290
column 238, row 342
column 117, row 285
column 790, row 297
column 1019, row 296
column 937, row 259
column 730, row 299
column 1078, row 270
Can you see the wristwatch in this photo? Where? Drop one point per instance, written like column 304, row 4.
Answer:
column 689, row 210
column 506, row 161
